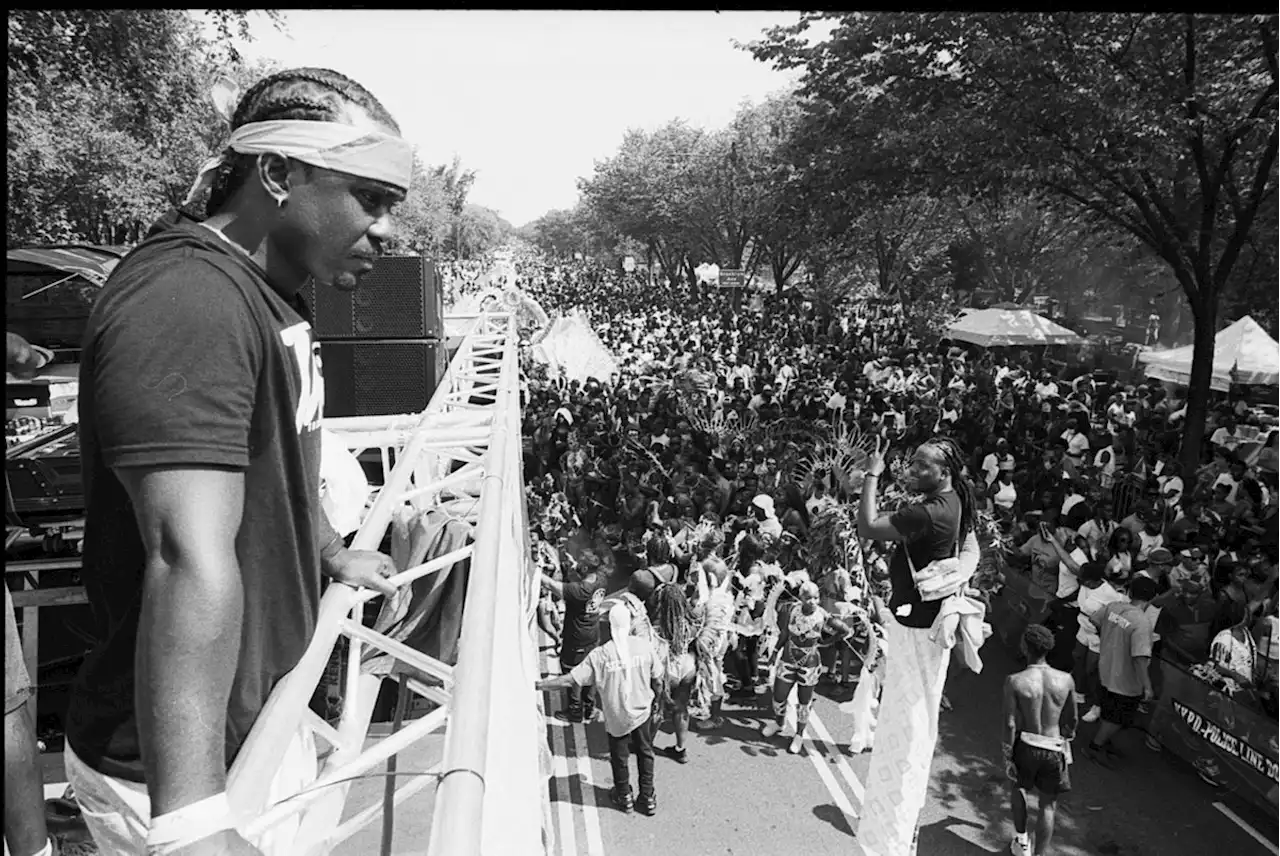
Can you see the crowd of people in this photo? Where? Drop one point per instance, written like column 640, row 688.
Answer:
column 709, row 480
column 693, row 511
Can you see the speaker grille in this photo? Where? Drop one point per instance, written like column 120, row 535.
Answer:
column 380, row 378
column 399, row 299
column 392, row 378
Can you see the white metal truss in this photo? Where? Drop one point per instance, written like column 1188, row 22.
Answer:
column 462, row 454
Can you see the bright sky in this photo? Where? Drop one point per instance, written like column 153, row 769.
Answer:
column 530, row 99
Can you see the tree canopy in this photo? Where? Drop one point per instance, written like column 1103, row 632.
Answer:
column 110, row 119
column 1159, row 127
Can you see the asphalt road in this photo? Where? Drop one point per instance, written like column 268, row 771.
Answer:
column 741, row 794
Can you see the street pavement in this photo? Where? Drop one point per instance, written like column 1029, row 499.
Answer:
column 741, row 794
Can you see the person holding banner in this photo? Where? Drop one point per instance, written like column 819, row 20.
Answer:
column 938, row 527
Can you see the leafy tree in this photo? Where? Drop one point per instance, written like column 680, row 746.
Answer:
column 423, row 220
column 1163, row 126
column 109, row 118
column 645, row 192
column 480, row 230
column 776, row 201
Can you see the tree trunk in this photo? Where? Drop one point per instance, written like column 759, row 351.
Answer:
column 1206, row 315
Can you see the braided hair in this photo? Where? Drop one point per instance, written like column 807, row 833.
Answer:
column 311, row 94
column 953, row 460
column 674, row 622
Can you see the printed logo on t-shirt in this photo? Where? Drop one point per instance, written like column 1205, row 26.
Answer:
column 597, row 597
column 306, row 354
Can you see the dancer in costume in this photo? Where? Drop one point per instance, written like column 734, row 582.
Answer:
column 939, row 526
column 674, row 629
column 801, row 624
column 714, row 611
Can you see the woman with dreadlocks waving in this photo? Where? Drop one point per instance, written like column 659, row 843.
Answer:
column 938, row 527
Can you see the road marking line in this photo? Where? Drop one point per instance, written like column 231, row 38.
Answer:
column 590, row 808
column 560, row 771
column 1240, row 822
column 833, row 787
column 846, row 772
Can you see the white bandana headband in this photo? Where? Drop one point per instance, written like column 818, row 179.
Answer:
column 328, row 145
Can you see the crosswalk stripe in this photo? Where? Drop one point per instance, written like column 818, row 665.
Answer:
column 833, row 786
column 571, row 742
column 565, row 837
column 846, row 772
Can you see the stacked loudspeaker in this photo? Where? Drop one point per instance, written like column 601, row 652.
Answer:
column 382, row 345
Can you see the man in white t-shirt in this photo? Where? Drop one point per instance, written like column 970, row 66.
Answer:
column 1046, row 387
column 1232, row 479
column 1225, row 437
column 836, row 403
column 1096, row 531
column 991, row 465
column 625, row 671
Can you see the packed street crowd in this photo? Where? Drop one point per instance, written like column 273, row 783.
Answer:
column 708, row 484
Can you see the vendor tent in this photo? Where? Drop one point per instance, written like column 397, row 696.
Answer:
column 1243, row 353
column 990, row 328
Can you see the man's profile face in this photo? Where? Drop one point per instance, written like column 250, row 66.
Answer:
column 335, row 224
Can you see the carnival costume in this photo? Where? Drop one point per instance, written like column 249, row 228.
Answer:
column 799, row 662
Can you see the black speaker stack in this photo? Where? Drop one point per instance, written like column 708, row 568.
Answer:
column 382, row 345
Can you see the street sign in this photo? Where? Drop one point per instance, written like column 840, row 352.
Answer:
column 732, row 278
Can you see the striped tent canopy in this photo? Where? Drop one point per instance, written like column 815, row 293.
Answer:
column 92, row 263
column 991, row 328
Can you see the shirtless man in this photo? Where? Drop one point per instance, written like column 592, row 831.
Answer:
column 1039, row 722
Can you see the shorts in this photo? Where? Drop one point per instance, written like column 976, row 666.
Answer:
column 1119, row 709
column 17, row 683
column 1043, row 770
column 793, row 673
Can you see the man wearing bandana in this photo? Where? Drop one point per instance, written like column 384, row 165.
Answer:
column 200, row 404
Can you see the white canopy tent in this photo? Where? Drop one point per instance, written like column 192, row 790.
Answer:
column 989, row 328
column 1243, row 353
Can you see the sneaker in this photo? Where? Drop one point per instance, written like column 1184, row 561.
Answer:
column 622, row 801
column 1098, row 755
column 1020, row 845
column 648, row 806
column 797, row 743
column 679, row 754
column 1092, row 714
column 770, row 728
column 571, row 716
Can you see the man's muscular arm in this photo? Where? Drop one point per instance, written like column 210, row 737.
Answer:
column 1069, row 720
column 1010, row 733
column 189, row 631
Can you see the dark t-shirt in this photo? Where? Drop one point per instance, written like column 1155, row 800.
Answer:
column 930, row 530
column 192, row 359
column 581, row 602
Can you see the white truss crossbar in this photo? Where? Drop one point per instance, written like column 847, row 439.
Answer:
column 462, row 455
